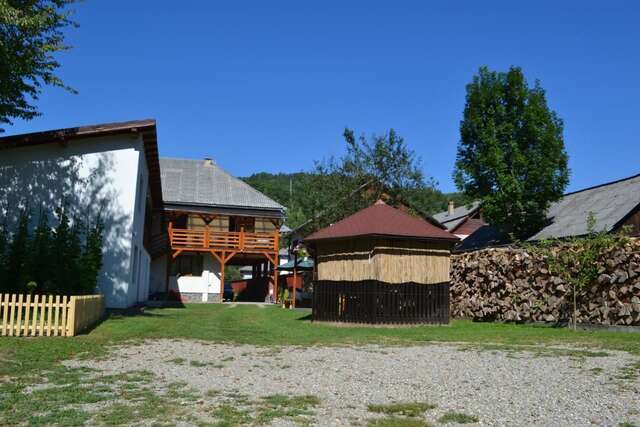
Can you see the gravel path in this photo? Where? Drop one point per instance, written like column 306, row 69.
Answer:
column 500, row 388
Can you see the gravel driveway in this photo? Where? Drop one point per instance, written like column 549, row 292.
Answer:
column 561, row 388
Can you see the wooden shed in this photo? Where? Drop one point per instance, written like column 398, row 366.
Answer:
column 382, row 265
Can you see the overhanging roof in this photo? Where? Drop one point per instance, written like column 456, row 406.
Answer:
column 609, row 203
column 382, row 220
column 459, row 215
column 147, row 129
column 204, row 185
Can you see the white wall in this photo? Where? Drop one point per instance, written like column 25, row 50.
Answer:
column 207, row 283
column 92, row 176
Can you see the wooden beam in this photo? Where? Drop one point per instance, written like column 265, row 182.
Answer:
column 176, row 253
column 231, row 255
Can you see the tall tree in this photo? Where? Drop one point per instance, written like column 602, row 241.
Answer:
column 31, row 32
column 17, row 274
column 370, row 168
column 511, row 152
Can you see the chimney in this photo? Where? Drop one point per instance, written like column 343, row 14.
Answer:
column 208, row 161
column 452, row 206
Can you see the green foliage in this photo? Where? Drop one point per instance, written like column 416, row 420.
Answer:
column 408, row 409
column 458, row 418
column 65, row 260
column 576, row 260
column 511, row 152
column 31, row 33
column 370, row 169
column 294, row 191
column 232, row 273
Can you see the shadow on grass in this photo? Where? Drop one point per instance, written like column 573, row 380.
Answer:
column 307, row 318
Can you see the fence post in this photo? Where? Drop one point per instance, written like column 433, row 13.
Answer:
column 71, row 317
column 4, row 300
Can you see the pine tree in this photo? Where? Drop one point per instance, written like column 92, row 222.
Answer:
column 40, row 267
column 91, row 259
column 62, row 275
column 4, row 252
column 17, row 275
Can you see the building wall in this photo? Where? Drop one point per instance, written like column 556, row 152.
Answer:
column 386, row 260
column 201, row 288
column 634, row 224
column 99, row 176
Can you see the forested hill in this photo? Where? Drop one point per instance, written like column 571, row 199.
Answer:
column 289, row 189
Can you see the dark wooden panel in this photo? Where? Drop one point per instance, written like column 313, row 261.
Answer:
column 371, row 301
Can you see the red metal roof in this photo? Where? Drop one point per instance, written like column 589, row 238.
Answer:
column 381, row 219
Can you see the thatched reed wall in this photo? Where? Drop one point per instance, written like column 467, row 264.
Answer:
column 385, row 260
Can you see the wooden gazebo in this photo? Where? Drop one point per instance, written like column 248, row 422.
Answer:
column 382, row 265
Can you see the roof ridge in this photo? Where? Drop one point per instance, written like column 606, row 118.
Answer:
column 602, row 185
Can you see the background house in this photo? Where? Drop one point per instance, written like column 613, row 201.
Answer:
column 212, row 220
column 110, row 170
column 613, row 205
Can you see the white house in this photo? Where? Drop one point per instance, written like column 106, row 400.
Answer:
column 111, row 170
column 213, row 220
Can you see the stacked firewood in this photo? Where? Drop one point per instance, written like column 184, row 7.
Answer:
column 516, row 284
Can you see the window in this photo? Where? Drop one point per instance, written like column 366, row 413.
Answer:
column 236, row 223
column 187, row 265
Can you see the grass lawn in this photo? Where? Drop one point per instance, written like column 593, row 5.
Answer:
column 248, row 324
column 26, row 364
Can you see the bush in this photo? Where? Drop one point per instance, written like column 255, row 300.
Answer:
column 61, row 260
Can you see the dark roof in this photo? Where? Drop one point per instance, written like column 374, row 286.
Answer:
column 382, row 220
column 147, row 128
column 451, row 221
column 610, row 204
column 203, row 183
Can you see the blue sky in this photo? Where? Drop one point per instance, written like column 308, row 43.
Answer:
column 269, row 86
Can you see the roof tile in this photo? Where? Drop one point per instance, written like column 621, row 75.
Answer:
column 381, row 219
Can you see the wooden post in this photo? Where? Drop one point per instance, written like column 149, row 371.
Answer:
column 169, row 259
column 206, row 236
column 241, row 239
column 27, row 311
column 222, row 264
column 295, row 277
column 276, row 262
column 56, row 317
column 5, row 314
column 12, row 315
column 71, row 316
column 34, row 321
column 49, row 315
column 19, row 320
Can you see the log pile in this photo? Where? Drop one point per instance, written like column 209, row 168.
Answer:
column 515, row 284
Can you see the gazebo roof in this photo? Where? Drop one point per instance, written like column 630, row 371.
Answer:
column 382, row 220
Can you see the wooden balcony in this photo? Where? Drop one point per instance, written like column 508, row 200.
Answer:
column 222, row 241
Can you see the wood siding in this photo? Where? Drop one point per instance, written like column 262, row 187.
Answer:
column 375, row 302
column 634, row 223
column 386, row 260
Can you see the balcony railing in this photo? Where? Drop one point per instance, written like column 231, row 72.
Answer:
column 209, row 240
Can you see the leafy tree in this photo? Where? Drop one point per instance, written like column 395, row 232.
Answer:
column 31, row 32
column 575, row 261
column 511, row 152
column 370, row 169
